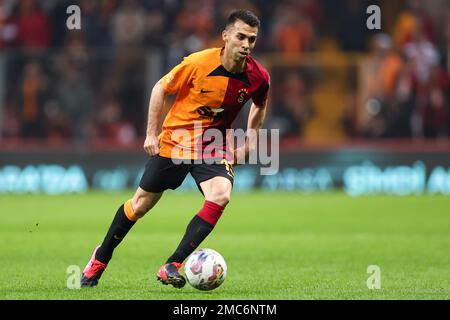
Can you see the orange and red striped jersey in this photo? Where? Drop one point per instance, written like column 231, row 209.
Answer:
column 208, row 97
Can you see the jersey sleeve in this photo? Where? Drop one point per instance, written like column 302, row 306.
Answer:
column 260, row 96
column 178, row 77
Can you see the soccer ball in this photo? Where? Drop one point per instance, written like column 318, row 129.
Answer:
column 205, row 269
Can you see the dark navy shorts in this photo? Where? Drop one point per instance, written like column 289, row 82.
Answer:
column 162, row 173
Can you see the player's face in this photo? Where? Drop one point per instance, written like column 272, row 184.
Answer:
column 240, row 39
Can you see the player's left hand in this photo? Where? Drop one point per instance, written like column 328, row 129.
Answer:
column 239, row 156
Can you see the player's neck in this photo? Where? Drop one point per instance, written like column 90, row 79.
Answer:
column 233, row 66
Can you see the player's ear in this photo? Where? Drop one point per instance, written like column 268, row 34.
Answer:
column 225, row 35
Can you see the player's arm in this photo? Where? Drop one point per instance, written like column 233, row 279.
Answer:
column 156, row 104
column 171, row 83
column 255, row 121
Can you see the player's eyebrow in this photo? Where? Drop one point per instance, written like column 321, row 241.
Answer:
column 246, row 35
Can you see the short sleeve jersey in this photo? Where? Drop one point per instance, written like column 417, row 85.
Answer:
column 208, row 97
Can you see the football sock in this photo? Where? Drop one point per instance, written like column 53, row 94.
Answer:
column 197, row 230
column 121, row 224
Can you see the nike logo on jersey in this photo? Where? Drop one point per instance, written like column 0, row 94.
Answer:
column 205, row 91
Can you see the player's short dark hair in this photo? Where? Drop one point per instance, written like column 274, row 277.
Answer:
column 245, row 16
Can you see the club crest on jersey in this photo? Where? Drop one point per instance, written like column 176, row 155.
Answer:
column 242, row 94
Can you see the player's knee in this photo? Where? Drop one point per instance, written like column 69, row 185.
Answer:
column 221, row 197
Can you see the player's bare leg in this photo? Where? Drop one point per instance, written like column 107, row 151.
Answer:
column 125, row 218
column 217, row 192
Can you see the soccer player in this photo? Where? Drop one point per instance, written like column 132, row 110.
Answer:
column 211, row 86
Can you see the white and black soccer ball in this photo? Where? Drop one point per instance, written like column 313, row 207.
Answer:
column 205, row 269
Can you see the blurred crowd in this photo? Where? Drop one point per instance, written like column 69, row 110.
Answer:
column 71, row 85
column 408, row 77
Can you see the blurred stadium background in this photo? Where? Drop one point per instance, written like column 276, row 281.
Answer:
column 367, row 110
column 360, row 111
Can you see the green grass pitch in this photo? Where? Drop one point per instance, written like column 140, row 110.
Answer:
column 277, row 246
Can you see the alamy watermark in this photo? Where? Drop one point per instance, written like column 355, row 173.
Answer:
column 74, row 278
column 374, row 281
column 235, row 146
column 374, row 20
column 73, row 22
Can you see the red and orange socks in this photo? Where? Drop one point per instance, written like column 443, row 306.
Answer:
column 197, row 230
column 123, row 221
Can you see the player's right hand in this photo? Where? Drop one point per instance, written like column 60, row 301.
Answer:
column 151, row 145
